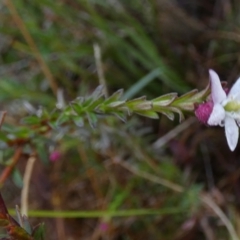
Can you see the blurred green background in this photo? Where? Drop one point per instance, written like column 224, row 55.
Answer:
column 148, row 47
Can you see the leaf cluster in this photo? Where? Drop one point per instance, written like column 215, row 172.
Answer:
column 20, row 230
column 97, row 106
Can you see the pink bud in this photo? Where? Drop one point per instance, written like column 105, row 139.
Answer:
column 54, row 156
column 203, row 111
column 104, row 226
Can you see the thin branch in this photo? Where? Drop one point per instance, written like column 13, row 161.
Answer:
column 8, row 170
column 175, row 187
column 173, row 133
column 207, row 200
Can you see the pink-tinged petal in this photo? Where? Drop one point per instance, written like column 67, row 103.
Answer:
column 235, row 90
column 232, row 133
column 217, row 92
column 217, row 116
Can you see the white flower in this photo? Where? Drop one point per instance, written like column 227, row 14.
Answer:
column 226, row 109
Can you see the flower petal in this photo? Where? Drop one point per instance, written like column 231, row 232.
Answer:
column 234, row 115
column 217, row 115
column 235, row 90
column 217, row 92
column 232, row 133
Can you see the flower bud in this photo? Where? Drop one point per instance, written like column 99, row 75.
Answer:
column 203, row 111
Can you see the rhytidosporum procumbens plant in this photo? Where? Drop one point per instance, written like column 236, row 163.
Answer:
column 92, row 108
column 217, row 108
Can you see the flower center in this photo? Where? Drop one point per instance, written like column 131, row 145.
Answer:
column 232, row 106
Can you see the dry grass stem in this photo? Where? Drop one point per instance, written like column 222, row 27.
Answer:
column 173, row 133
column 98, row 60
column 208, row 201
column 26, row 183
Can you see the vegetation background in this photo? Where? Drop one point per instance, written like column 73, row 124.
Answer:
column 133, row 180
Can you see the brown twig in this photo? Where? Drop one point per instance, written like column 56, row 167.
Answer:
column 57, row 200
column 7, row 171
column 22, row 27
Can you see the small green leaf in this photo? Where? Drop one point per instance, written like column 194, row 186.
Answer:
column 31, row 120
column 53, row 124
column 139, row 104
column 94, row 104
column 78, row 120
column 136, row 101
column 120, row 116
column 42, row 152
column 77, row 107
column 39, row 232
column 201, row 96
column 17, row 178
column 112, row 107
column 114, row 97
column 23, row 132
column 167, row 113
column 185, row 97
column 116, row 104
column 3, row 137
column 149, row 114
column 87, row 102
column 92, row 119
column 165, row 99
column 26, row 225
column 98, row 92
column 62, row 119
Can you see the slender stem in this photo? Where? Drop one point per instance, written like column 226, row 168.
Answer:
column 175, row 187
column 103, row 213
column 173, row 133
column 8, row 170
column 207, row 200
column 26, row 182
column 98, row 59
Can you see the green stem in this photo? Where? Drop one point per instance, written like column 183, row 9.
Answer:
column 97, row 214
